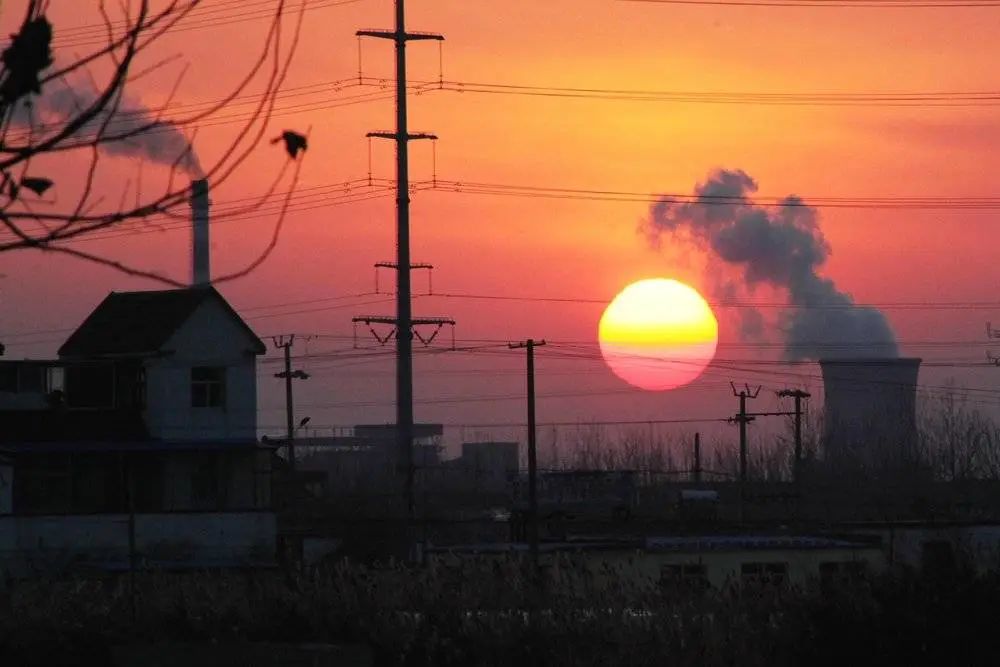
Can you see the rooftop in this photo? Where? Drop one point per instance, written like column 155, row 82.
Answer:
column 685, row 544
column 125, row 446
column 140, row 323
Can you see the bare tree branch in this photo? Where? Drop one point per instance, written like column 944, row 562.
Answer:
column 105, row 120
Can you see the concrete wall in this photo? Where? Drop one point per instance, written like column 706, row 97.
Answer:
column 609, row 567
column 54, row 544
column 722, row 567
column 23, row 400
column 209, row 338
column 244, row 483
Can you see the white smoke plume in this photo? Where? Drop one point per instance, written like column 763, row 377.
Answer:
column 163, row 142
column 781, row 247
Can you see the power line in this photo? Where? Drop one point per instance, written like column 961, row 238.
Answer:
column 205, row 8
column 150, row 226
column 832, row 4
column 790, row 374
column 888, row 305
column 975, row 204
column 812, row 99
column 129, row 115
column 96, row 34
column 126, row 123
column 714, row 369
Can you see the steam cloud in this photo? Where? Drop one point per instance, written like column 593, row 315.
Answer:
column 163, row 143
column 781, row 247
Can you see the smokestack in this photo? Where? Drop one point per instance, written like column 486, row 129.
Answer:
column 200, row 273
column 871, row 419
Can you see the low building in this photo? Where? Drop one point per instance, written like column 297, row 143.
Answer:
column 700, row 561
column 137, row 447
column 364, row 458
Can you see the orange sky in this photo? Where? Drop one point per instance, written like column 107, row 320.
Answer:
column 587, row 249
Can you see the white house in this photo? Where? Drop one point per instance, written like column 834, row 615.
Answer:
column 198, row 359
column 138, row 445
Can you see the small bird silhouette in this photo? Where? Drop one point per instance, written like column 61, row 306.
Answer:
column 294, row 142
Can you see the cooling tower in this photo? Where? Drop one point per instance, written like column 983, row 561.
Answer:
column 870, row 418
column 200, row 273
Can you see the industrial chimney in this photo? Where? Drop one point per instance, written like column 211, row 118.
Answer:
column 871, row 419
column 200, row 273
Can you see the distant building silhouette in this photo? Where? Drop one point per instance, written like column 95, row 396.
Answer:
column 870, row 413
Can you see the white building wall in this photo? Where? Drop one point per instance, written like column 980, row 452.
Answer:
column 23, row 401
column 50, row 544
column 612, row 567
column 210, row 337
column 177, row 491
column 207, row 538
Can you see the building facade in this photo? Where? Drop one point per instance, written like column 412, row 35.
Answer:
column 137, row 447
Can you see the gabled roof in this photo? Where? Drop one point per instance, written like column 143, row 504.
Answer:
column 134, row 323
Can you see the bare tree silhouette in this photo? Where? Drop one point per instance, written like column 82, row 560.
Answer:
column 52, row 110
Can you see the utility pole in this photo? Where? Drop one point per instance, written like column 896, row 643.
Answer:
column 697, row 458
column 286, row 343
column 798, row 395
column 530, row 346
column 404, row 324
column 743, row 418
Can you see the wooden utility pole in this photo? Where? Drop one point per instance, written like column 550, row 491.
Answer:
column 530, row 346
column 743, row 418
column 798, row 395
column 285, row 344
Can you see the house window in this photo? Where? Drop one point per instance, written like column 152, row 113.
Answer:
column 208, row 387
column 693, row 576
column 769, row 574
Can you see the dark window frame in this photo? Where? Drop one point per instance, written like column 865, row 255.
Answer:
column 208, row 387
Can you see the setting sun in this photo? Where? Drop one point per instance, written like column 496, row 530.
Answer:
column 658, row 334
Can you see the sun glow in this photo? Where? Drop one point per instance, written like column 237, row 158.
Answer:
column 658, row 334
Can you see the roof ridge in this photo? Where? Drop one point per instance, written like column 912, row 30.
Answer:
column 142, row 321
